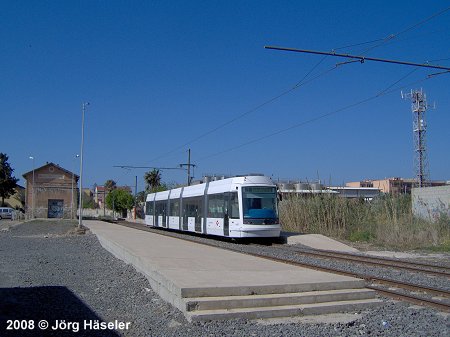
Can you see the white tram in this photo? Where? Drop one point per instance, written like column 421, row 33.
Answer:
column 239, row 207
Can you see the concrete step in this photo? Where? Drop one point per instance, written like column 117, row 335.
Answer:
column 282, row 311
column 243, row 290
column 186, row 274
column 281, row 299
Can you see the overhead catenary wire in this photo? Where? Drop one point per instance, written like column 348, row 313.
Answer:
column 314, row 119
column 390, row 37
column 363, row 58
column 301, row 83
column 259, row 106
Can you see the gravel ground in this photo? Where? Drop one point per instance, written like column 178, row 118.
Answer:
column 48, row 272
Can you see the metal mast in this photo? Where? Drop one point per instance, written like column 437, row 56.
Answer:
column 419, row 107
column 189, row 165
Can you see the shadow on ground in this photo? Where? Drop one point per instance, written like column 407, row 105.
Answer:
column 46, row 303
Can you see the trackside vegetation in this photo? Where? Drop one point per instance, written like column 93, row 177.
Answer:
column 386, row 221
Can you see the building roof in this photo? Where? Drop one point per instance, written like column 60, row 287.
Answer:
column 48, row 165
column 353, row 188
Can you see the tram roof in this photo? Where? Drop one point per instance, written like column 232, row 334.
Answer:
column 216, row 186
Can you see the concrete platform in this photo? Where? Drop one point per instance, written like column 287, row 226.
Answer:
column 208, row 283
column 317, row 241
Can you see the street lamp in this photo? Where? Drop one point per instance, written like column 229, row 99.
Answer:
column 71, row 202
column 80, row 206
column 32, row 191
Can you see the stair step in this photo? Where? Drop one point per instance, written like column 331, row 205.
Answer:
column 282, row 311
column 268, row 300
column 241, row 290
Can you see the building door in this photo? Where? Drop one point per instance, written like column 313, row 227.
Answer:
column 55, row 208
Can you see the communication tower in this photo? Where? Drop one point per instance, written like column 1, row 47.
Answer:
column 419, row 107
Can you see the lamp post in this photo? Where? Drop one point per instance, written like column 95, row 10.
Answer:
column 71, row 202
column 80, row 206
column 32, row 191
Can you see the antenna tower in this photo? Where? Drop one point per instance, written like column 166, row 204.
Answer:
column 419, row 107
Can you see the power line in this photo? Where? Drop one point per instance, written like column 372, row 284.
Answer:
column 148, row 167
column 381, row 93
column 424, row 21
column 296, row 86
column 394, row 36
column 301, row 83
column 401, row 79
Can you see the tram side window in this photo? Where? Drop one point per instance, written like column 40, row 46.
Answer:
column 234, row 205
column 161, row 207
column 149, row 208
column 175, row 207
column 192, row 207
column 216, row 206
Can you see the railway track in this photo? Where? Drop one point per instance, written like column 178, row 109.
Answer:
column 404, row 291
column 426, row 268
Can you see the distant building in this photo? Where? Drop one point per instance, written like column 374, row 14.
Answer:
column 101, row 192
column 99, row 195
column 305, row 189
column 299, row 188
column 391, row 185
column 363, row 192
column 51, row 192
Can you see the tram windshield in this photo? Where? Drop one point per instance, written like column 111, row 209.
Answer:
column 259, row 202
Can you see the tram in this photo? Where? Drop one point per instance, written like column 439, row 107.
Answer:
column 238, row 207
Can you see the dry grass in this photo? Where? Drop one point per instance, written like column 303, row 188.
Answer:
column 386, row 221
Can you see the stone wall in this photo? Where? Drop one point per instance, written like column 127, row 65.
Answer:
column 431, row 202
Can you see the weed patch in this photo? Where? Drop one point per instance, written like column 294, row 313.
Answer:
column 385, row 221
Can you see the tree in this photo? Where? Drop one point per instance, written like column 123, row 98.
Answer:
column 119, row 201
column 7, row 182
column 140, row 197
column 153, row 180
column 110, row 185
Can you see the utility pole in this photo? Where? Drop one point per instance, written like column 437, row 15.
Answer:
column 80, row 216
column 135, row 201
column 419, row 107
column 189, row 165
column 32, row 192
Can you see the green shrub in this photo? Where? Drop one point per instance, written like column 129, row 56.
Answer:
column 361, row 236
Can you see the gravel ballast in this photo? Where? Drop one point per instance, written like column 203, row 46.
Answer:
column 49, row 272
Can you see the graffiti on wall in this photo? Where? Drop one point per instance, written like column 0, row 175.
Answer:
column 55, row 208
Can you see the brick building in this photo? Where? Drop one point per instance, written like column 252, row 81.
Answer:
column 54, row 190
column 100, row 195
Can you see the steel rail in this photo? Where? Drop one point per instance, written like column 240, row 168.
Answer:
column 391, row 263
column 382, row 258
column 412, row 298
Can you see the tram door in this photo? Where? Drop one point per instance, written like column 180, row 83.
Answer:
column 226, row 217
column 226, row 225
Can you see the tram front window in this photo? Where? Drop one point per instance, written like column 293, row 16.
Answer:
column 260, row 203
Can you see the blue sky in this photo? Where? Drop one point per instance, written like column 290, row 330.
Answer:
column 165, row 76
